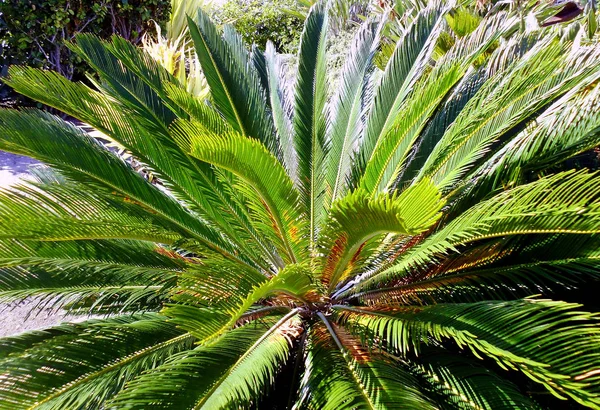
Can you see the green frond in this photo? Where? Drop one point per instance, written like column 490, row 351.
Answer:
column 309, row 125
column 509, row 98
column 96, row 217
column 562, row 203
column 348, row 108
column 465, row 384
column 568, row 127
column 213, row 298
column 99, row 358
column 463, row 21
column 392, row 149
column 87, row 276
column 471, row 50
column 78, row 156
column 16, row 344
column 281, row 109
column 90, row 299
column 175, row 169
column 500, row 269
column 253, row 163
column 135, row 65
column 141, row 259
column 537, row 337
column 254, row 218
column 409, row 213
column 447, row 112
column 407, row 64
column 499, row 282
column 259, row 61
column 121, row 80
column 337, row 377
column 149, row 104
column 235, row 85
column 232, row 372
column 196, row 109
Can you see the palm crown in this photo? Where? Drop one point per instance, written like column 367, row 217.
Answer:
column 371, row 241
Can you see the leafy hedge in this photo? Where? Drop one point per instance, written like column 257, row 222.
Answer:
column 34, row 32
column 258, row 21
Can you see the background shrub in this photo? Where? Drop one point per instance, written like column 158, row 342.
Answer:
column 258, row 21
column 34, row 32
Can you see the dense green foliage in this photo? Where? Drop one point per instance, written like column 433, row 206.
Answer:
column 35, row 32
column 399, row 242
column 259, row 21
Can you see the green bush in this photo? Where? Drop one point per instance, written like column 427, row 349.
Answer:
column 258, row 21
column 34, row 32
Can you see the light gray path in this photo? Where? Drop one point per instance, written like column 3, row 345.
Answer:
column 13, row 167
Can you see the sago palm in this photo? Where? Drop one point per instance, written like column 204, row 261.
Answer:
column 382, row 248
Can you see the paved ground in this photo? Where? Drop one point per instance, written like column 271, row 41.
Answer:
column 13, row 167
column 14, row 317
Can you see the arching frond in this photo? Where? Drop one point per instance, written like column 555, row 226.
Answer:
column 542, row 74
column 233, row 371
column 78, row 156
column 466, row 384
column 172, row 166
column 214, row 299
column 100, row 357
column 407, row 64
column 252, row 162
column 563, row 203
column 234, row 84
column 568, row 127
column 282, row 109
column 497, row 270
column 88, row 276
column 537, row 337
column 391, row 152
column 336, row 379
column 349, row 107
column 401, row 214
column 309, row 123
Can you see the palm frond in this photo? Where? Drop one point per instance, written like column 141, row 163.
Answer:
column 79, row 156
column 562, row 203
column 537, row 337
column 467, row 278
column 215, row 297
column 174, row 168
column 407, row 64
column 466, row 384
column 252, row 162
column 339, row 378
column 568, row 127
column 542, row 74
column 309, row 123
column 102, row 357
column 401, row 214
column 374, row 241
column 233, row 371
column 235, row 85
column 281, row 109
column 393, row 148
column 348, row 107
column 135, row 81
